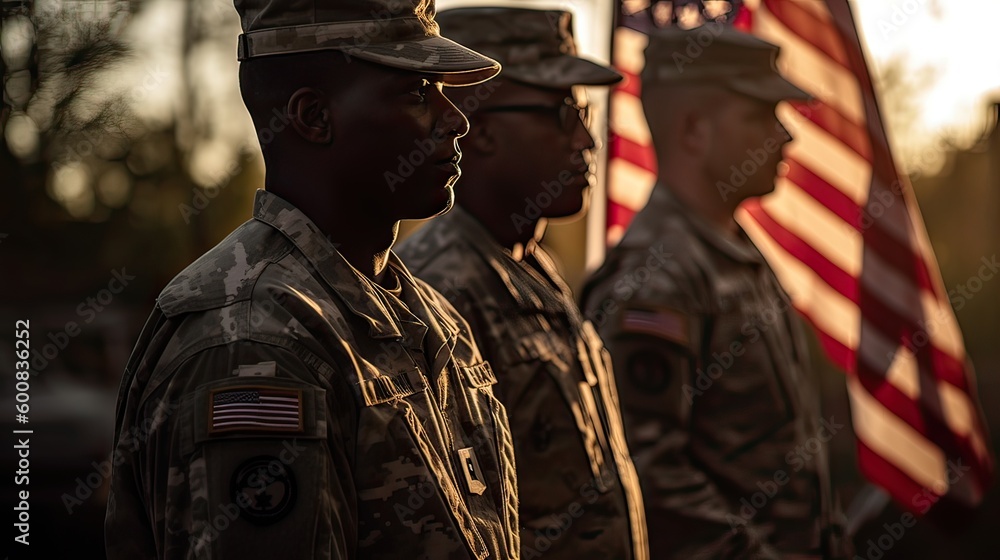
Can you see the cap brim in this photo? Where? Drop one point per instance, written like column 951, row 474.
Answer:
column 562, row 71
column 459, row 65
column 771, row 89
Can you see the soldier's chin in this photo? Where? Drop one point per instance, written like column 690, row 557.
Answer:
column 438, row 198
column 444, row 200
column 569, row 207
column 584, row 206
column 450, row 203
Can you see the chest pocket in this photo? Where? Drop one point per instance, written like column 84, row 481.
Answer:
column 485, row 425
column 385, row 388
column 750, row 366
column 569, row 364
column 406, row 455
column 461, row 433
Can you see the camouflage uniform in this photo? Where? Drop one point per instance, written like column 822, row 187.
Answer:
column 718, row 398
column 279, row 404
column 580, row 496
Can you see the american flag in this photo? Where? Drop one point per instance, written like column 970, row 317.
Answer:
column 256, row 408
column 663, row 323
column 844, row 234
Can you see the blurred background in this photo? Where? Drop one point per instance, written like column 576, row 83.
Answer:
column 125, row 153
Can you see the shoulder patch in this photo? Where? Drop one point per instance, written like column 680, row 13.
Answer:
column 256, row 408
column 264, row 489
column 664, row 323
column 227, row 272
column 649, row 372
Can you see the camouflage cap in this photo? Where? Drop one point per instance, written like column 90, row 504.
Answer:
column 535, row 46
column 395, row 33
column 718, row 54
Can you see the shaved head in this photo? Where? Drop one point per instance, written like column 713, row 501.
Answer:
column 267, row 83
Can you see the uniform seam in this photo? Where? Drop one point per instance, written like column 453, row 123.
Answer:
column 284, row 251
column 174, row 365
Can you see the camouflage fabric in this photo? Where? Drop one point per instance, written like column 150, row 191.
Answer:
column 580, row 497
column 717, row 54
column 536, row 47
column 720, row 406
column 278, row 404
column 396, row 33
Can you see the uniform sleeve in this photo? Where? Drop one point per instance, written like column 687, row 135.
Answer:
column 244, row 452
column 654, row 350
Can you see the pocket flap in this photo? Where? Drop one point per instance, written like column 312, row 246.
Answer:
column 385, row 388
column 480, row 375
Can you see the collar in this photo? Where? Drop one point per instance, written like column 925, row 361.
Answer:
column 362, row 296
column 468, row 229
column 521, row 279
column 663, row 202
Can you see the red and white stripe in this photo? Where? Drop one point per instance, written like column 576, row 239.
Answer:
column 844, row 235
column 631, row 162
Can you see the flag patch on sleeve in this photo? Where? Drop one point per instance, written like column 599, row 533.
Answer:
column 663, row 323
column 255, row 408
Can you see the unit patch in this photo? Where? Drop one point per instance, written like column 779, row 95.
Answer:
column 264, row 489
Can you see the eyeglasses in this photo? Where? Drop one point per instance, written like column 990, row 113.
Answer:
column 568, row 114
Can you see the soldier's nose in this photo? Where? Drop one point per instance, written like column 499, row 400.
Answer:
column 453, row 120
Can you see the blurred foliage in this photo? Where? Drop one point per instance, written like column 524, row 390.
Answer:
column 92, row 180
column 900, row 87
column 119, row 154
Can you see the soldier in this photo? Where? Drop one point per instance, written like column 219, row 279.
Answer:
column 529, row 144
column 296, row 393
column 720, row 405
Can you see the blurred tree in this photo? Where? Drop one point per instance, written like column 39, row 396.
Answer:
column 900, row 88
column 123, row 147
column 109, row 129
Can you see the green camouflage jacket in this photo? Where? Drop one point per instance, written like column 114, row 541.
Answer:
column 580, row 496
column 719, row 400
column 278, row 404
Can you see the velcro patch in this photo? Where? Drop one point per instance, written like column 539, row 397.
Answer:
column 263, row 369
column 255, row 408
column 649, row 372
column 664, row 323
column 264, row 489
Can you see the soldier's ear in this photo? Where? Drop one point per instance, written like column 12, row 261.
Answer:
column 695, row 132
column 310, row 115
